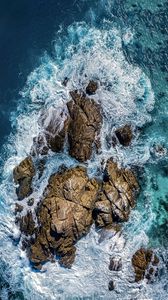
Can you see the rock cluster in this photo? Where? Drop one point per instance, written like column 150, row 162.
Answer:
column 81, row 128
column 144, row 262
column 117, row 195
column 64, row 215
column 72, row 201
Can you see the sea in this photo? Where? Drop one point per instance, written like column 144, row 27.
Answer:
column 122, row 44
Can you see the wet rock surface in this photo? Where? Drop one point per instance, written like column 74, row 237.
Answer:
column 91, row 87
column 23, row 175
column 80, row 126
column 115, row 264
column 84, row 126
column 124, row 135
column 117, row 196
column 144, row 262
column 64, row 216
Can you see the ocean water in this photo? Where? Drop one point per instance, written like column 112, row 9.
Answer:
column 124, row 47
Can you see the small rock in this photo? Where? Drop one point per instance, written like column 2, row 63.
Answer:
column 111, row 285
column 18, row 208
column 30, row 202
column 92, row 87
column 115, row 264
column 141, row 261
column 124, row 135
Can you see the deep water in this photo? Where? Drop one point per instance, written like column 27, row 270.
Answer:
column 124, row 45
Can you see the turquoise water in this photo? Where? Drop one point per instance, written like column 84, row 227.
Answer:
column 124, row 47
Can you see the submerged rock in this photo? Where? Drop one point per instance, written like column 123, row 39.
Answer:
column 23, row 175
column 54, row 126
column 124, row 135
column 117, row 196
column 115, row 264
column 92, row 87
column 142, row 262
column 64, row 216
column 84, row 126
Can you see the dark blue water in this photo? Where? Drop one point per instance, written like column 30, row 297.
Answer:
column 27, row 29
column 30, row 39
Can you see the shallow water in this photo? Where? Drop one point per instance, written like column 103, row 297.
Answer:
column 124, row 47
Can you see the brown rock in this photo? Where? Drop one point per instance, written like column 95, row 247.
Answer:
column 64, row 215
column 84, row 126
column 18, row 208
column 141, row 262
column 124, row 135
column 92, row 87
column 27, row 224
column 23, row 175
column 117, row 196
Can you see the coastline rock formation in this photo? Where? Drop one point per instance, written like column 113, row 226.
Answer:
column 117, row 196
column 84, row 126
column 144, row 262
column 64, row 216
column 23, row 175
column 81, row 127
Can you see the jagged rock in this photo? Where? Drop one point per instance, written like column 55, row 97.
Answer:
column 18, row 208
column 117, row 196
column 64, row 215
column 54, row 125
column 23, row 175
column 124, row 135
column 84, row 126
column 27, row 224
column 142, row 261
column 115, row 264
column 92, row 87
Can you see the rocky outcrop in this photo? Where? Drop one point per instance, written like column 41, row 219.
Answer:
column 64, row 216
column 84, row 126
column 91, row 87
column 80, row 122
column 23, row 175
column 117, row 196
column 144, row 262
column 54, row 126
column 124, row 135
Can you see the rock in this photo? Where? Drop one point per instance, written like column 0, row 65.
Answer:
column 109, row 232
column 84, row 126
column 23, row 175
column 64, row 215
column 142, row 261
column 117, row 196
column 111, row 285
column 27, row 224
column 30, row 202
column 54, row 125
column 92, row 87
column 124, row 135
column 18, row 208
column 115, row 264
